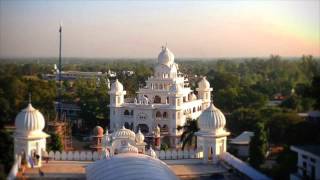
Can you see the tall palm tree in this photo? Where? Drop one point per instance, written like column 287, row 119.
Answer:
column 188, row 135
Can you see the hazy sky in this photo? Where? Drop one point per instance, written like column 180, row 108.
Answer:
column 230, row 28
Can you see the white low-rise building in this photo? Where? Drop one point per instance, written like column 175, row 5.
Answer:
column 308, row 165
column 166, row 101
column 241, row 144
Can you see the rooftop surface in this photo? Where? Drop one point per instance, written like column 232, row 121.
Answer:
column 184, row 169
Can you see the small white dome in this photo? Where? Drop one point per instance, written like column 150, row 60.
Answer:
column 124, row 133
column 175, row 88
column 204, row 83
column 98, row 131
column 128, row 148
column 152, row 153
column 165, row 57
column 29, row 119
column 116, row 86
column 212, row 119
column 139, row 137
column 128, row 166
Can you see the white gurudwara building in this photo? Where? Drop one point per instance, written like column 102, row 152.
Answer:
column 29, row 138
column 166, row 101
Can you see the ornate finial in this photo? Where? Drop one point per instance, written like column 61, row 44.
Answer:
column 29, row 98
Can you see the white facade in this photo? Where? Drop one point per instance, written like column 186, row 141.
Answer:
column 166, row 101
column 29, row 139
column 308, row 165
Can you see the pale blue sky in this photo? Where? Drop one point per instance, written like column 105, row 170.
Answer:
column 139, row 28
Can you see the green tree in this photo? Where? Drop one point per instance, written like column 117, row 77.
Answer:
column 189, row 130
column 258, row 146
column 55, row 143
column 6, row 151
column 293, row 102
column 279, row 126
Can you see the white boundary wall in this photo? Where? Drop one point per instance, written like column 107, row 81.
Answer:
column 93, row 156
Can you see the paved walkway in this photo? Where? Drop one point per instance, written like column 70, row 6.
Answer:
column 59, row 170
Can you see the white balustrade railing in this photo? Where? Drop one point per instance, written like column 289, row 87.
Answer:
column 93, row 156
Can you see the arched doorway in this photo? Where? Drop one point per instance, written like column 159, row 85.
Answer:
column 143, row 128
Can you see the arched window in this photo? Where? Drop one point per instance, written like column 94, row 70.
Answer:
column 158, row 114
column 194, row 109
column 165, row 115
column 157, row 99
column 126, row 112
column 131, row 113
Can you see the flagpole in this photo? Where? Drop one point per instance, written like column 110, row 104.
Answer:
column 59, row 76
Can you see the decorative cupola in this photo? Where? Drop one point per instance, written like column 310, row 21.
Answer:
column 204, row 91
column 97, row 144
column 140, row 144
column 139, row 137
column 116, row 100
column 212, row 137
column 212, row 120
column 29, row 138
column 116, row 86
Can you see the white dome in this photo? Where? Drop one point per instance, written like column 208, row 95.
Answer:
column 165, row 57
column 128, row 148
column 116, row 86
column 204, row 83
column 29, row 119
column 124, row 133
column 152, row 153
column 139, row 137
column 212, row 119
column 128, row 166
column 98, row 131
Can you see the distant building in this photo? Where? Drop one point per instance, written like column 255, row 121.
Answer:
column 308, row 165
column 128, row 73
column 241, row 144
column 314, row 116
